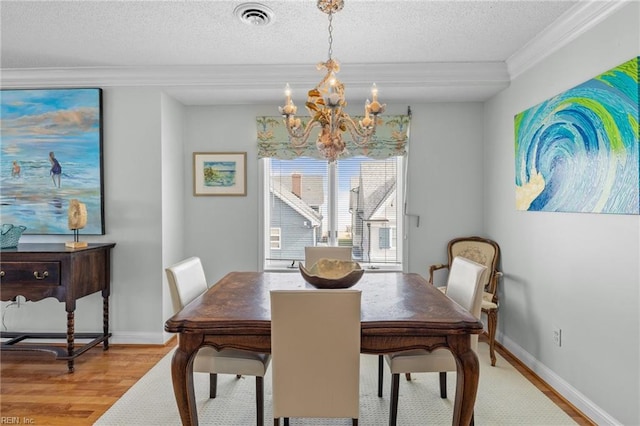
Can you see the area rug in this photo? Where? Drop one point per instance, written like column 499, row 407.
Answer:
column 505, row 397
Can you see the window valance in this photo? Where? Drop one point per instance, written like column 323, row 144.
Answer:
column 390, row 139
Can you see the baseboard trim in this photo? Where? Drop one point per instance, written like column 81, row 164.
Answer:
column 558, row 385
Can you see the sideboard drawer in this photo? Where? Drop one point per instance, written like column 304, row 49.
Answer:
column 30, row 273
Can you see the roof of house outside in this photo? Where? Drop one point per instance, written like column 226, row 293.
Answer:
column 312, row 188
column 298, row 205
column 376, row 187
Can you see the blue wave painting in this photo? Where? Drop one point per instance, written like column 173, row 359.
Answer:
column 51, row 152
column 578, row 151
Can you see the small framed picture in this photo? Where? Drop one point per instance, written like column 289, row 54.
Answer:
column 219, row 173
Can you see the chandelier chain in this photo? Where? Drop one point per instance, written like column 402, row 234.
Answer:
column 330, row 34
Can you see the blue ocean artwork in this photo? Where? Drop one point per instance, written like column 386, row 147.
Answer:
column 219, row 173
column 50, row 153
column 578, row 151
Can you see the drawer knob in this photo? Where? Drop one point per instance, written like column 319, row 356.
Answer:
column 1, row 274
column 42, row 276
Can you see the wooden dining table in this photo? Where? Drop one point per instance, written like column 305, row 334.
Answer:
column 400, row 311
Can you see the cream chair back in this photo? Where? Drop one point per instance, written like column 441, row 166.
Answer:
column 186, row 281
column 313, row 254
column 465, row 284
column 315, row 349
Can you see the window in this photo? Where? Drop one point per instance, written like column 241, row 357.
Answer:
column 275, row 239
column 384, row 238
column 354, row 202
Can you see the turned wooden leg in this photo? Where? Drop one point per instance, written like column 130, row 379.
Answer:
column 70, row 339
column 492, row 320
column 105, row 322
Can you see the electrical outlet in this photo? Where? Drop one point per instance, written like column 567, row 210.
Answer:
column 557, row 336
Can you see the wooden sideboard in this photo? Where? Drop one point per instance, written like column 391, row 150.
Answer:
column 38, row 271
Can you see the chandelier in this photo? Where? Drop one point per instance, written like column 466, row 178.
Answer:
column 325, row 104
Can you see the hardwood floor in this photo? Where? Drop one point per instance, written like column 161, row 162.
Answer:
column 38, row 390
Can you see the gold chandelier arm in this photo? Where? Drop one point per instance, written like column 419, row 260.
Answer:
column 360, row 136
column 299, row 137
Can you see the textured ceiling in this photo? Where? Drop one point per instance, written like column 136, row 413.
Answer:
column 206, row 37
column 142, row 33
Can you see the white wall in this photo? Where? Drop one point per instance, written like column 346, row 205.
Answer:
column 579, row 272
column 446, row 159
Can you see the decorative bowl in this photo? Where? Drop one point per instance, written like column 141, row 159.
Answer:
column 332, row 273
column 10, row 235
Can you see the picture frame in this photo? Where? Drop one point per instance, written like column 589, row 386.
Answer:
column 51, row 144
column 220, row 173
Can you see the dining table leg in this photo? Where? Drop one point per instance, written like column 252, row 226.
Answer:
column 467, row 378
column 182, row 377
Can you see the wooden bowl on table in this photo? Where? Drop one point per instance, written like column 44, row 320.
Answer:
column 332, row 273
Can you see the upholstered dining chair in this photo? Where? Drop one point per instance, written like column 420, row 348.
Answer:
column 464, row 286
column 187, row 281
column 485, row 252
column 315, row 346
column 313, row 254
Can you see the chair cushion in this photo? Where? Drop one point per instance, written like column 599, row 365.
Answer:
column 487, row 302
column 488, row 305
column 414, row 361
column 231, row 361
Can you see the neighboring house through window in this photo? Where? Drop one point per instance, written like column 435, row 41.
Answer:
column 355, row 202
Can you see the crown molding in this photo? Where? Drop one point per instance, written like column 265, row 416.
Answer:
column 567, row 28
column 253, row 75
column 225, row 82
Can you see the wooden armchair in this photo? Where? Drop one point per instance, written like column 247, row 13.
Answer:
column 485, row 252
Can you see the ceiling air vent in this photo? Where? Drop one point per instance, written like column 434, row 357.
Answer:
column 254, row 14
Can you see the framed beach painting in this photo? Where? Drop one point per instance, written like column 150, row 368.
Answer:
column 578, row 151
column 218, row 173
column 51, row 147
